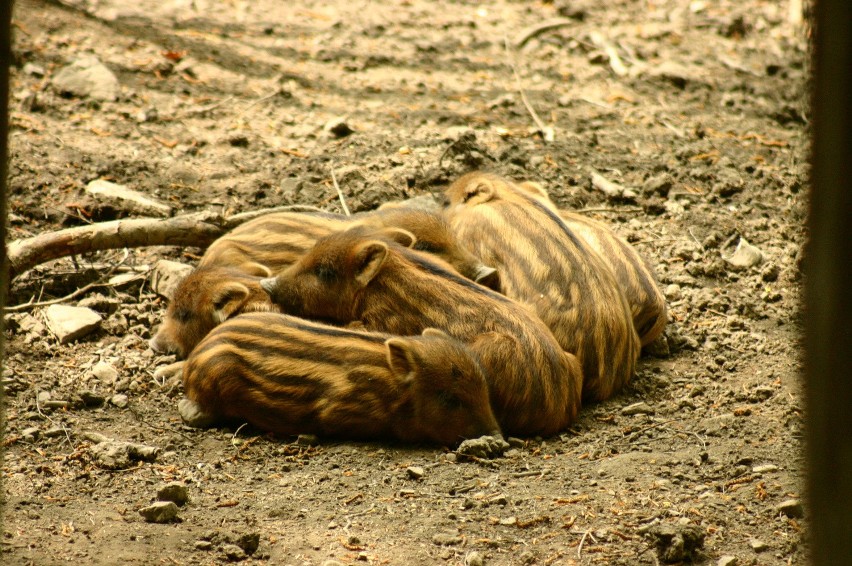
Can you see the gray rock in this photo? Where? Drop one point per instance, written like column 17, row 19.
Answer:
column 69, row 323
column 673, row 292
column 54, row 432
column 126, row 199
column 338, row 127
column 483, row 447
column 167, row 275
column 307, row 439
column 175, row 492
column 30, row 324
column 92, row 399
column 727, row 561
column 161, row 512
column 765, row 468
column 33, row 69
column 119, row 400
column 474, row 558
column 415, row 472
column 117, row 455
column 745, row 255
column 87, row 76
column 203, row 545
column 30, row 434
column 792, row 508
column 100, row 303
column 447, row 539
column 676, row 543
column 234, row 553
column 758, row 545
column 105, row 372
column 249, row 542
column 640, row 408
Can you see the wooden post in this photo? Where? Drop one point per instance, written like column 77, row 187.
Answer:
column 828, row 290
column 5, row 62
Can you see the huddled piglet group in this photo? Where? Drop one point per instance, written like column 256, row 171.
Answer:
column 498, row 313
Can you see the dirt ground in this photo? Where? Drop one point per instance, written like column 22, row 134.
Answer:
column 698, row 109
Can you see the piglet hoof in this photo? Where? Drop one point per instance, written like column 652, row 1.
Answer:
column 193, row 415
column 483, row 447
column 169, row 374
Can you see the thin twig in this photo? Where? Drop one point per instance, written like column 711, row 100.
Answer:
column 236, row 432
column 538, row 29
column 258, row 101
column 339, row 193
column 632, row 210
column 582, row 541
column 546, row 131
column 203, row 109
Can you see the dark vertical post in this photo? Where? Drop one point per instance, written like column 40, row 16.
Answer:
column 828, row 290
column 5, row 62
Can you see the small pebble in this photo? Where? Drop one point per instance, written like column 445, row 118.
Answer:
column 474, row 558
column 54, row 432
column 119, row 400
column 234, row 553
column 338, row 127
column 30, row 434
column 160, row 512
column 727, row 561
column 792, row 508
column 446, row 539
column 765, row 468
column 415, row 472
column 758, row 545
column 307, row 440
column 640, row 408
column 203, row 545
column 105, row 372
column 175, row 492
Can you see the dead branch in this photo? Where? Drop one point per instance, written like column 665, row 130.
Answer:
column 197, row 229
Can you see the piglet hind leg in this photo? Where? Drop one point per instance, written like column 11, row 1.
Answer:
column 193, row 415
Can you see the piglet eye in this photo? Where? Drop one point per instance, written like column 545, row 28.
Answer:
column 426, row 247
column 326, row 272
column 449, row 400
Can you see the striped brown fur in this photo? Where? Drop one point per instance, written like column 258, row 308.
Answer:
column 633, row 273
column 272, row 242
column 203, row 299
column 544, row 264
column 291, row 376
column 349, row 276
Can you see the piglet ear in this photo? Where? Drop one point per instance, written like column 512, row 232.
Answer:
column 435, row 333
column 489, row 277
column 228, row 299
column 255, row 268
column 400, row 236
column 402, row 360
column 479, row 191
column 369, row 259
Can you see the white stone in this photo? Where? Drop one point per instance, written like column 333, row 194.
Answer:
column 105, row 372
column 746, row 255
column 69, row 323
column 128, row 199
column 87, row 76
